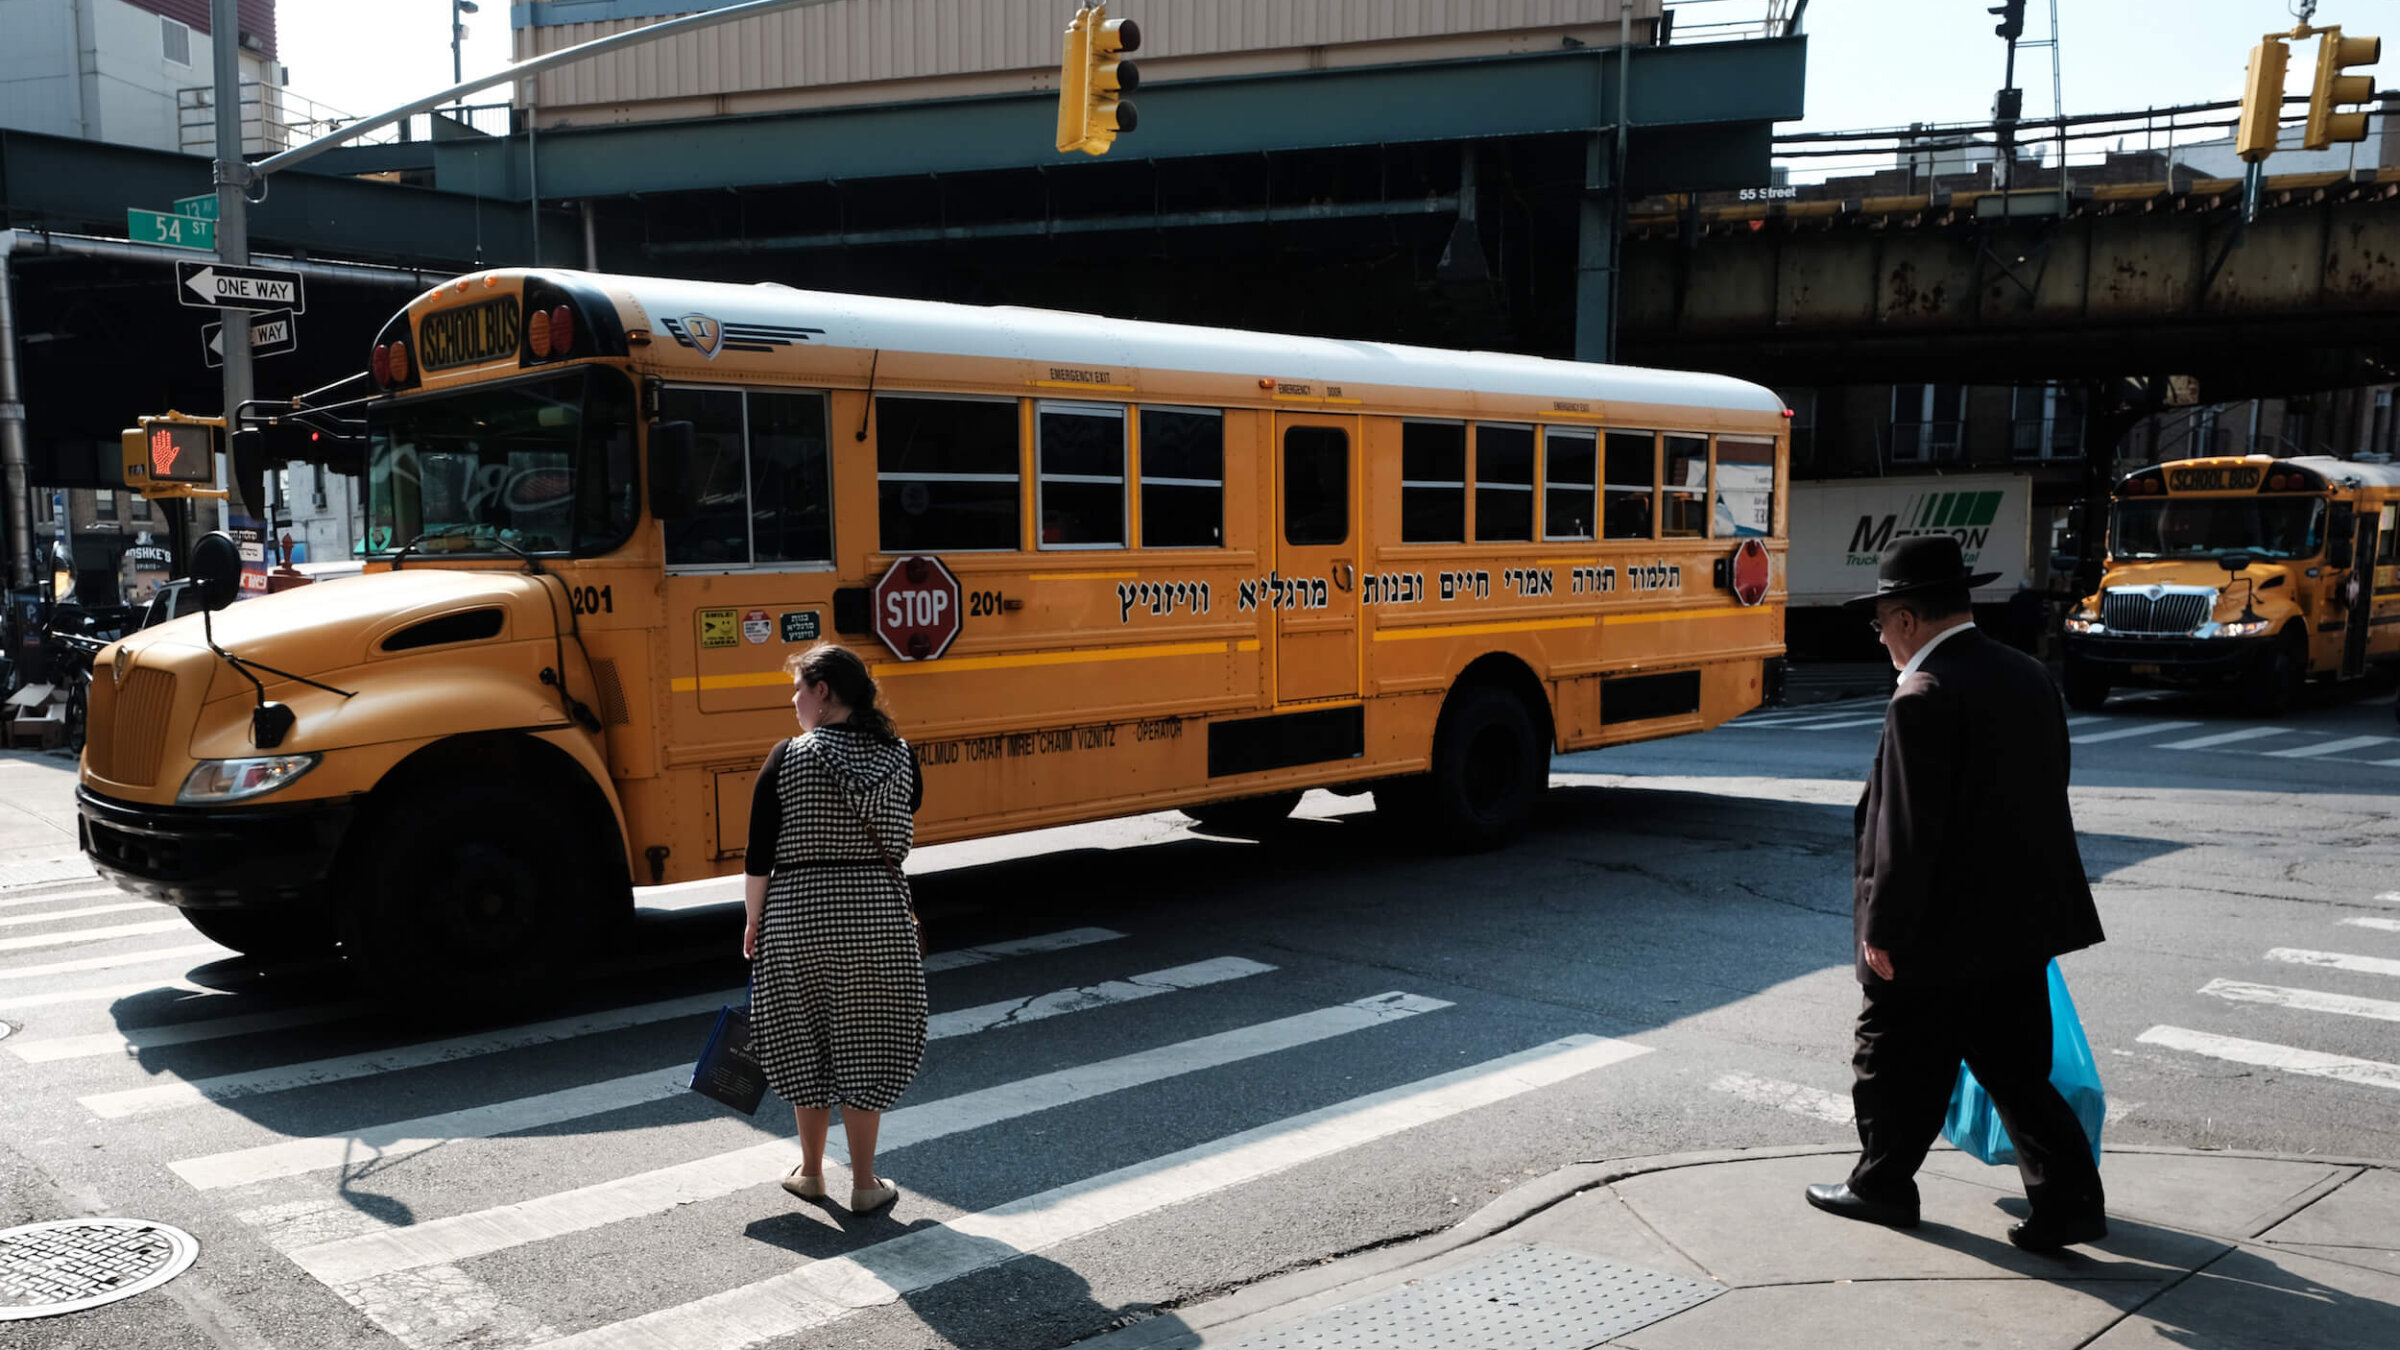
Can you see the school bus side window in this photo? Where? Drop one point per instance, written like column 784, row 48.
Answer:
column 1631, row 484
column 1079, row 453
column 790, row 480
column 1745, row 488
column 1183, row 478
column 1686, row 514
column 717, row 531
column 1570, row 482
column 947, row 475
column 1433, row 482
column 1503, row 483
column 1316, row 485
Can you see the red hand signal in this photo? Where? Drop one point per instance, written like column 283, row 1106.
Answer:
column 162, row 452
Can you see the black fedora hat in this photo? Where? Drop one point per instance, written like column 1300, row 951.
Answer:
column 1915, row 566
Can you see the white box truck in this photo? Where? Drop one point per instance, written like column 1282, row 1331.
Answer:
column 1842, row 527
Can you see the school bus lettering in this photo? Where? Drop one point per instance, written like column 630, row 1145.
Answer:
column 451, row 338
column 1530, row 581
column 1161, row 598
column 1276, row 592
column 1069, row 375
column 1466, row 585
column 1391, row 588
column 1657, row 576
column 1592, row 581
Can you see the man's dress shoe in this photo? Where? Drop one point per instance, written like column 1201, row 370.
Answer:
column 2044, row 1233
column 1838, row 1198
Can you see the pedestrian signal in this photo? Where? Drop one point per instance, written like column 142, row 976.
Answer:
column 172, row 456
column 2326, row 125
column 1092, row 82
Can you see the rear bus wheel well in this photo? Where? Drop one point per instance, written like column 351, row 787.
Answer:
column 1510, row 675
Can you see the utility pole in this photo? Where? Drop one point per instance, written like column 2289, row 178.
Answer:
column 2009, row 105
column 232, row 174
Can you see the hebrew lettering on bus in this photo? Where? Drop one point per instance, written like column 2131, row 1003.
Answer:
column 1391, row 588
column 1530, row 581
column 1657, row 576
column 1049, row 741
column 1161, row 598
column 1465, row 585
column 1592, row 580
column 1276, row 591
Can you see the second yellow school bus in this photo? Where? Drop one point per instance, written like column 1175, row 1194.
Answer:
column 1195, row 568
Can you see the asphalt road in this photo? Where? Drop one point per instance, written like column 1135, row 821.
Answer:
column 1169, row 1064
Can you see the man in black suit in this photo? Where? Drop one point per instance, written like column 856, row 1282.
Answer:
column 1968, row 881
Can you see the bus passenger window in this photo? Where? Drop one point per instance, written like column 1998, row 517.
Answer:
column 1570, row 482
column 1686, row 488
column 1183, row 478
column 717, row 532
column 1503, row 483
column 947, row 475
column 1745, row 488
column 1433, row 483
column 1631, row 483
column 1316, row 485
column 1079, row 452
column 791, row 517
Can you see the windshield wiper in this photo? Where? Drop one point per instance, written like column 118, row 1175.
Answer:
column 445, row 532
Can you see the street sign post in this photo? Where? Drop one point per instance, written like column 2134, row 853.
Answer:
column 174, row 230
column 216, row 285
column 917, row 608
column 271, row 334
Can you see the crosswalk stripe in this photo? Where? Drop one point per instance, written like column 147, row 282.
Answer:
column 55, row 915
column 2364, row 965
column 19, row 944
column 110, row 962
column 1797, row 1098
column 2388, row 898
column 2380, row 925
column 439, row 1241
column 2215, row 739
column 2305, row 1000
column 1015, row 1011
column 2385, row 763
column 107, row 993
column 55, row 896
column 1801, row 719
column 167, row 1095
column 820, row 1292
column 1837, row 726
column 51, row 1049
column 1032, row 946
column 2347, row 743
column 2146, row 729
column 2089, row 721
column 2290, row 1059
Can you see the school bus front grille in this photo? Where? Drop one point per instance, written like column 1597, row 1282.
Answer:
column 2175, row 613
column 126, row 727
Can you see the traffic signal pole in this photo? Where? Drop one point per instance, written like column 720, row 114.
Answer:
column 233, row 222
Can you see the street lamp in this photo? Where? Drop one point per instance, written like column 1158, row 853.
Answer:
column 458, row 31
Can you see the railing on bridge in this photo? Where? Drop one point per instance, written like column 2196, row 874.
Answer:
column 275, row 119
column 1691, row 21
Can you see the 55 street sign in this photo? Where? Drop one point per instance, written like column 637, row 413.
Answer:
column 270, row 335
column 215, row 285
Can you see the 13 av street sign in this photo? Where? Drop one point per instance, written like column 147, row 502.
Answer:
column 270, row 335
column 215, row 285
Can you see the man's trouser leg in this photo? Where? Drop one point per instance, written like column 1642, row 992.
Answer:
column 2005, row 1025
column 1906, row 1062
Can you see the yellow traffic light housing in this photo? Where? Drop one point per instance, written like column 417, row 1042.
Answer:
column 2326, row 125
column 2262, row 100
column 174, row 455
column 1092, row 82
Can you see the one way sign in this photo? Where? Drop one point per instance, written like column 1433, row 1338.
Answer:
column 216, row 285
column 270, row 335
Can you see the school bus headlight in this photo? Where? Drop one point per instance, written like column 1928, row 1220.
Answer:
column 2084, row 623
column 2236, row 628
column 216, row 781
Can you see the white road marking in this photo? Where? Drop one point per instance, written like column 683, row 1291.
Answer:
column 1032, row 946
column 55, row 915
column 1837, row 726
column 133, row 1042
column 2329, row 747
column 820, row 1292
column 2379, row 925
column 1803, row 719
column 2306, row 1000
column 2364, row 965
column 111, row 962
column 2385, row 763
column 55, row 896
column 1011, row 1012
column 2389, row 897
column 18, row 944
column 2211, row 742
column 2089, row 721
column 1796, row 1098
column 443, row 1241
column 2146, row 729
column 108, row 993
column 2365, row 1072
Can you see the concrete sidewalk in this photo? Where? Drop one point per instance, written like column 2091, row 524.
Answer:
column 37, row 813
column 1700, row 1251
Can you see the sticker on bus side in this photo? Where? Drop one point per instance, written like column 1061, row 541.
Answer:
column 720, row 628
column 756, row 627
column 801, row 627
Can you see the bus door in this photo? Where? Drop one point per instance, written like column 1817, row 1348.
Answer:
column 1313, row 589
column 2362, row 603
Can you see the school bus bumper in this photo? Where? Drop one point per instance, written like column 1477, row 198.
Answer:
column 215, row 857
column 2129, row 660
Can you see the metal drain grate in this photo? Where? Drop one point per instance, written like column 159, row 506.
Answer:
column 69, row 1265
column 1524, row 1298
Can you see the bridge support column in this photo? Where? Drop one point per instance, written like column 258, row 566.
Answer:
column 1598, row 246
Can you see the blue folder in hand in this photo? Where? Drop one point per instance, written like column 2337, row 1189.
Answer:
column 726, row 1071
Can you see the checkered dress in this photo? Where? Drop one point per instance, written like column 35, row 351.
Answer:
column 837, row 998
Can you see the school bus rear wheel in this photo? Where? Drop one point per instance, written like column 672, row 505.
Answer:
column 1489, row 768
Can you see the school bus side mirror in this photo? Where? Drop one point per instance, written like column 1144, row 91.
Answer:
column 670, row 469
column 216, row 569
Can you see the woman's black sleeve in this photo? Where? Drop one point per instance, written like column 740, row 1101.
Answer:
column 766, row 814
column 916, row 781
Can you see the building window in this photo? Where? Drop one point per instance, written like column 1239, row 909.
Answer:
column 175, row 41
column 1079, row 474
column 1183, row 478
column 318, row 496
column 1433, row 482
column 1745, row 488
column 1503, row 483
column 2379, row 434
column 1685, row 500
column 2042, row 423
column 137, row 506
column 1927, row 422
column 43, row 510
column 1316, row 486
column 104, row 505
column 948, row 474
column 759, row 479
column 1570, row 482
column 1629, row 484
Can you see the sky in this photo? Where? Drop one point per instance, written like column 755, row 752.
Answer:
column 1871, row 63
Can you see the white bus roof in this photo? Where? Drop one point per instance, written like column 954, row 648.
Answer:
column 2350, row 472
column 867, row 322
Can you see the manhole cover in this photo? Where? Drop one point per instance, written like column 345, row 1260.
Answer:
column 72, row 1264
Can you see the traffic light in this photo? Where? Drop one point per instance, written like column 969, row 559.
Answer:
column 2262, row 101
column 2012, row 19
column 173, row 455
column 1092, row 81
column 2334, row 52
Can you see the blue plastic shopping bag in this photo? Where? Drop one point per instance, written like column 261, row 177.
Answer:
column 1975, row 1127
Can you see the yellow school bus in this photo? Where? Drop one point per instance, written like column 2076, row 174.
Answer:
column 2255, row 573
column 1099, row 567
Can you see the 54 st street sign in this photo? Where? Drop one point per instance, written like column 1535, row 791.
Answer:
column 216, row 285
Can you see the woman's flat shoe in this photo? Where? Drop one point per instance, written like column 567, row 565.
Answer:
column 875, row 1198
column 807, row 1188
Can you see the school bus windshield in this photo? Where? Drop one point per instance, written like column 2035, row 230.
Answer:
column 545, row 465
column 2192, row 527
